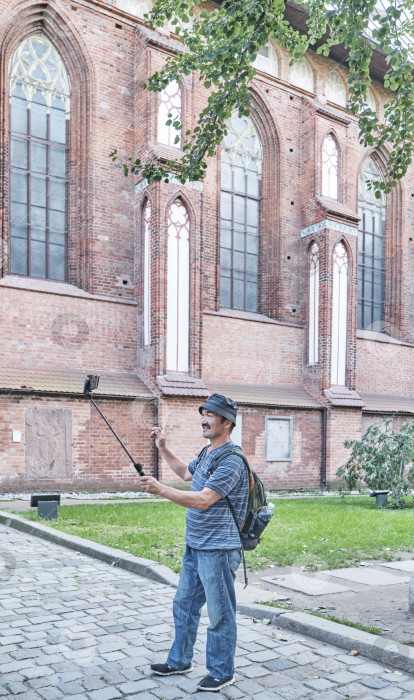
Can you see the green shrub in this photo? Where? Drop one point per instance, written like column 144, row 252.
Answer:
column 382, row 460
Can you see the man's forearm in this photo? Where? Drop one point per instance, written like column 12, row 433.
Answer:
column 189, row 499
column 176, row 464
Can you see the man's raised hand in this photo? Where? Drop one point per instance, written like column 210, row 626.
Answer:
column 159, row 434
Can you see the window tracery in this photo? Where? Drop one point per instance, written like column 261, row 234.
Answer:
column 313, row 330
column 301, row 75
column 146, row 227
column 39, row 110
column 178, row 287
column 335, row 90
column 330, row 167
column 339, row 315
column 170, row 103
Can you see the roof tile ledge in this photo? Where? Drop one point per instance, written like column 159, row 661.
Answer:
column 70, row 381
column 266, row 394
column 343, row 396
column 182, row 384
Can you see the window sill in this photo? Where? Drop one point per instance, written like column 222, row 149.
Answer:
column 378, row 337
column 250, row 316
column 65, row 289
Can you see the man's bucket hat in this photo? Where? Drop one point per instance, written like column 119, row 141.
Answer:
column 222, row 405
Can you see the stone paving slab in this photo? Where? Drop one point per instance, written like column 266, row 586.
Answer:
column 401, row 565
column 368, row 576
column 310, row 585
column 123, row 622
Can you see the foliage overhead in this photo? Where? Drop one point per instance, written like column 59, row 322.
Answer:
column 221, row 45
column 382, row 459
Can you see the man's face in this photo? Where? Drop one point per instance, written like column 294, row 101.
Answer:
column 213, row 425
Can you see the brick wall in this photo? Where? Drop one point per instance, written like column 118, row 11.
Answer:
column 99, row 463
column 98, row 312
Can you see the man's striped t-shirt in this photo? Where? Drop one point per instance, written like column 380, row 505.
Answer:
column 214, row 528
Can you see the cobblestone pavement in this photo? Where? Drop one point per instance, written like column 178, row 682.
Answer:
column 75, row 627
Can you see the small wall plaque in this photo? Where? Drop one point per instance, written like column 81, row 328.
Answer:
column 278, row 439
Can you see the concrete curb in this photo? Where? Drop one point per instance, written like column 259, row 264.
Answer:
column 381, row 649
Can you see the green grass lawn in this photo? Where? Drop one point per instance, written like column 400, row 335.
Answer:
column 316, row 533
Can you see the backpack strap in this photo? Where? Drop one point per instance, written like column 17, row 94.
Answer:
column 225, row 453
column 201, row 455
column 216, row 461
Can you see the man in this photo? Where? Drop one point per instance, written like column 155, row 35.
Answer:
column 213, row 550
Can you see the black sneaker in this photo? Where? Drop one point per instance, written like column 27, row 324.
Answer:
column 210, row 683
column 166, row 670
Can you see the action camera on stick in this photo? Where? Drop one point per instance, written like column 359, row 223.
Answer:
column 91, row 383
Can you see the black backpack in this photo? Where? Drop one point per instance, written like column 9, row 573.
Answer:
column 252, row 526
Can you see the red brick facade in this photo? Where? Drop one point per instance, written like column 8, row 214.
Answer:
column 93, row 322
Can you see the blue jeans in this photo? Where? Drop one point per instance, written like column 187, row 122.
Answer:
column 206, row 576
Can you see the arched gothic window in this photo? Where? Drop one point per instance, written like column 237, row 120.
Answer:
column 178, row 287
column 241, row 172
column 370, row 101
column 146, row 247
column 266, row 60
column 371, row 255
column 301, row 75
column 335, row 90
column 169, row 102
column 339, row 315
column 135, row 7
column 39, row 110
column 313, row 331
column 330, row 167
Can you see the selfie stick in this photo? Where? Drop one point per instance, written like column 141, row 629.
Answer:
column 91, row 382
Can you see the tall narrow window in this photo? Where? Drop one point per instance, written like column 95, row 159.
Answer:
column 335, row 90
column 146, row 230
column 170, row 104
column 40, row 104
column 313, row 335
column 339, row 314
column 330, row 162
column 266, row 60
column 371, row 256
column 178, row 287
column 241, row 172
column 301, row 75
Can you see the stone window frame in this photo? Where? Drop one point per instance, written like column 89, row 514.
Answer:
column 176, row 361
column 314, row 266
column 172, row 133
column 256, row 155
column 20, row 24
column 330, row 135
column 52, row 88
column 396, row 323
column 146, row 214
column 341, row 272
column 271, row 303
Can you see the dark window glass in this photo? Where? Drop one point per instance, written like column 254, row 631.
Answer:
column 240, row 216
column 371, row 261
column 38, row 116
column 38, row 186
column 19, row 110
